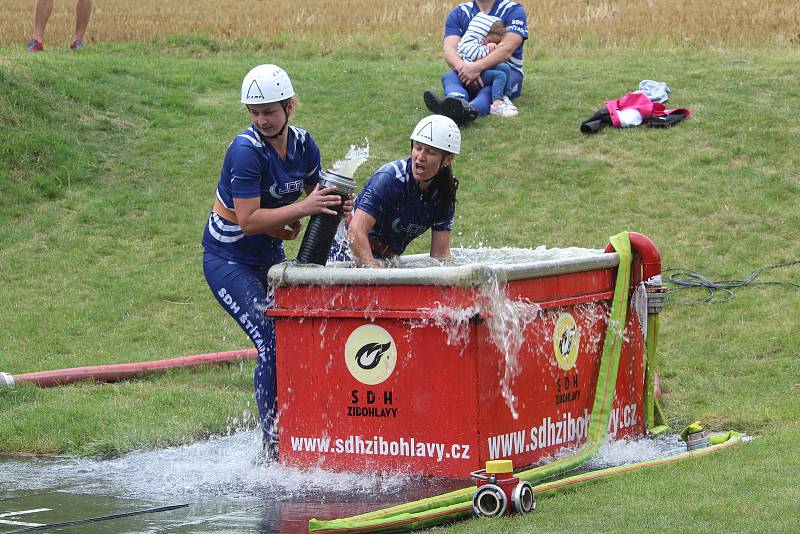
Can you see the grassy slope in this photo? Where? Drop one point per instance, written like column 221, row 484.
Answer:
column 109, row 162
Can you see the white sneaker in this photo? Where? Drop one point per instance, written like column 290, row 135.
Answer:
column 499, row 110
column 509, row 111
column 509, row 104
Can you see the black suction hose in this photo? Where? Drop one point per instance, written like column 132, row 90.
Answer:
column 321, row 230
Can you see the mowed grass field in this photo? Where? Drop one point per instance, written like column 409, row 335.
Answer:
column 109, row 159
column 598, row 22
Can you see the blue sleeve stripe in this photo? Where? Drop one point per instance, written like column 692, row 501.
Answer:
column 299, row 133
column 504, row 6
column 399, row 171
column 255, row 142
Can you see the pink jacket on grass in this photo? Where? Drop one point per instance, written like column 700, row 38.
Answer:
column 641, row 103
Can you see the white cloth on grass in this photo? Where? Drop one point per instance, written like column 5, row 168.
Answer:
column 655, row 91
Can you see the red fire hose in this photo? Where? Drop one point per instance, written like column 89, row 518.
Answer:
column 111, row 373
column 651, row 258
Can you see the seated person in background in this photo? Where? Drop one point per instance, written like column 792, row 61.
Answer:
column 463, row 82
column 483, row 35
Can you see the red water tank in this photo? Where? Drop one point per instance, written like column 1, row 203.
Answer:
column 435, row 370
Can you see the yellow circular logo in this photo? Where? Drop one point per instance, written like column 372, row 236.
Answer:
column 370, row 354
column 566, row 341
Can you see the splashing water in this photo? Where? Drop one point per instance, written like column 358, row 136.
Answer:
column 507, row 320
column 495, row 256
column 224, row 479
column 614, row 453
column 340, row 249
column 354, row 158
column 455, row 322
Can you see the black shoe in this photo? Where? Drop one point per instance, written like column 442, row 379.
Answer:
column 269, row 452
column 458, row 109
column 433, row 102
column 472, row 112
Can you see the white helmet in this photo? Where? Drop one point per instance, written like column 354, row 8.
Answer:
column 438, row 131
column 265, row 84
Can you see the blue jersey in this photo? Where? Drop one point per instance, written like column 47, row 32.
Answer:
column 511, row 13
column 401, row 211
column 253, row 169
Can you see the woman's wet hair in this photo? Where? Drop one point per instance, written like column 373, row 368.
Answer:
column 447, row 184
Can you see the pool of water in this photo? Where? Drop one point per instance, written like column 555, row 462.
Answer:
column 225, row 485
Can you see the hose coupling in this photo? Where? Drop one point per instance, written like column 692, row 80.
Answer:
column 6, row 380
column 697, row 440
column 656, row 294
column 695, row 437
column 499, row 492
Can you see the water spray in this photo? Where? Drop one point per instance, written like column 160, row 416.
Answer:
column 321, row 230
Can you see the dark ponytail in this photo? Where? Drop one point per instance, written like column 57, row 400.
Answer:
column 447, row 184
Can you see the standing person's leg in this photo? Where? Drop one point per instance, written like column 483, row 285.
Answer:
column 243, row 292
column 83, row 11
column 265, row 386
column 41, row 15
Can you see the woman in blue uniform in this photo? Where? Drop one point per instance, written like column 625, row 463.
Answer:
column 406, row 197
column 266, row 169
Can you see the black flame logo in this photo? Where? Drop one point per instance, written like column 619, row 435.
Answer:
column 566, row 341
column 369, row 356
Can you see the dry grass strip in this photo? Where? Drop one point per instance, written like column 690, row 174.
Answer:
column 690, row 23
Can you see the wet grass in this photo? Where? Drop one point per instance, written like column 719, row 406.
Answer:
column 108, row 163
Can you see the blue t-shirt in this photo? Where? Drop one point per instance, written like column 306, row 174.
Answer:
column 253, row 169
column 511, row 13
column 401, row 211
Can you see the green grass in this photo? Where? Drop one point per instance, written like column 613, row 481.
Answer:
column 108, row 163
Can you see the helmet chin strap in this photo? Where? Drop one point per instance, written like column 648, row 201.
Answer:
column 285, row 122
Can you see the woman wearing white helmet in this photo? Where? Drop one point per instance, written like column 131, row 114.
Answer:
column 266, row 169
column 406, row 197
